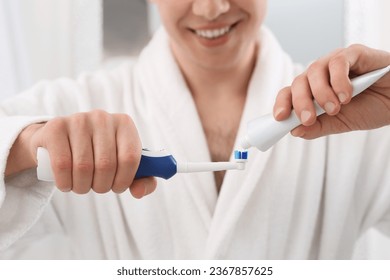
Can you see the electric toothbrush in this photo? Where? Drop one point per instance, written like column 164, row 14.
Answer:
column 262, row 133
column 156, row 164
column 265, row 131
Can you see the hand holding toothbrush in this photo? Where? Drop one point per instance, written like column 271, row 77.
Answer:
column 327, row 81
column 100, row 151
column 92, row 150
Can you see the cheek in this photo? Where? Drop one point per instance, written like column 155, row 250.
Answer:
column 256, row 9
column 170, row 16
column 259, row 10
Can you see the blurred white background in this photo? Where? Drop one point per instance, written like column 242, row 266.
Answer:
column 44, row 39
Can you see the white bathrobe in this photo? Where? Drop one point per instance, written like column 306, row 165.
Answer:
column 299, row 200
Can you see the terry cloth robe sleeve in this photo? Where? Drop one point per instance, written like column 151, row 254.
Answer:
column 23, row 197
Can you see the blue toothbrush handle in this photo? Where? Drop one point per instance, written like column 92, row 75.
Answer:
column 156, row 166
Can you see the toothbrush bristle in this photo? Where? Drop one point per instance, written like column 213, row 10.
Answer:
column 240, row 155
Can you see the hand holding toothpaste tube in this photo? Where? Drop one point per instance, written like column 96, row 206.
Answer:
column 327, row 81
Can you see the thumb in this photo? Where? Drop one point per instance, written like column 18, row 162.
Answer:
column 324, row 125
column 36, row 139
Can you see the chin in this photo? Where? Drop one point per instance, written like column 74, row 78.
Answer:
column 220, row 63
column 222, row 59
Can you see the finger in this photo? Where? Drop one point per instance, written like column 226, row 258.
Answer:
column 82, row 153
column 283, row 104
column 325, row 125
column 319, row 80
column 363, row 59
column 128, row 153
column 339, row 78
column 352, row 61
column 302, row 100
column 142, row 187
column 104, row 151
column 56, row 141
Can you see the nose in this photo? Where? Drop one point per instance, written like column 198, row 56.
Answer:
column 210, row 9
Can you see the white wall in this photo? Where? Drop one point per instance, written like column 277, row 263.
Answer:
column 63, row 37
column 13, row 54
column 307, row 29
column 45, row 39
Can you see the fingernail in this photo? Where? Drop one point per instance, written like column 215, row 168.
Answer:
column 342, row 97
column 279, row 111
column 305, row 116
column 329, row 107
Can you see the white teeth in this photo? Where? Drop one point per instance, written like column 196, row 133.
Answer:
column 214, row 33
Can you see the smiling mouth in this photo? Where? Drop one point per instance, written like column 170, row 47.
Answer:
column 215, row 33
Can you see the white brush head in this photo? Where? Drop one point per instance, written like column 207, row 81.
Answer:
column 240, row 157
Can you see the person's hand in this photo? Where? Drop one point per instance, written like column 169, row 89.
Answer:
column 327, row 81
column 94, row 150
